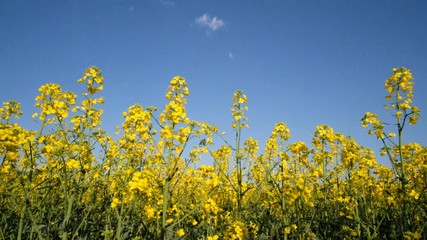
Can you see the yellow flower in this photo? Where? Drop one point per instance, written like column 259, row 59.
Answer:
column 115, row 202
column 414, row 194
column 390, row 200
column 149, row 211
column 169, row 220
column 71, row 163
column 180, row 233
column 412, row 235
column 348, row 231
column 210, row 206
column 237, row 231
column 238, row 110
column 166, row 133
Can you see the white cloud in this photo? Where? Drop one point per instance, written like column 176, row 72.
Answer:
column 230, row 55
column 131, row 9
column 212, row 24
column 167, row 3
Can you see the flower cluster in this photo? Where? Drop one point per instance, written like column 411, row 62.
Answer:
column 154, row 180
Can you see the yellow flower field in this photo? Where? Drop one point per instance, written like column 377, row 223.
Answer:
column 71, row 180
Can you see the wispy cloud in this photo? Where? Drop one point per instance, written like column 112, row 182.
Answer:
column 130, row 9
column 167, row 3
column 212, row 24
column 230, row 55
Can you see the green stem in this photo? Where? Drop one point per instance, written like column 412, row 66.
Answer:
column 21, row 220
column 400, row 129
column 119, row 223
column 239, row 169
column 166, row 193
column 165, row 205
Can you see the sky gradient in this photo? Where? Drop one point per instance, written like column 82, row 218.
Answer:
column 304, row 63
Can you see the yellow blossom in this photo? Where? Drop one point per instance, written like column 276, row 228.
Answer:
column 180, row 232
column 115, row 202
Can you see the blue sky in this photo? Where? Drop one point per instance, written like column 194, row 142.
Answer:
column 301, row 62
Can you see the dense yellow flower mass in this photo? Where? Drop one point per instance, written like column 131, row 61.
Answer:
column 71, row 180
